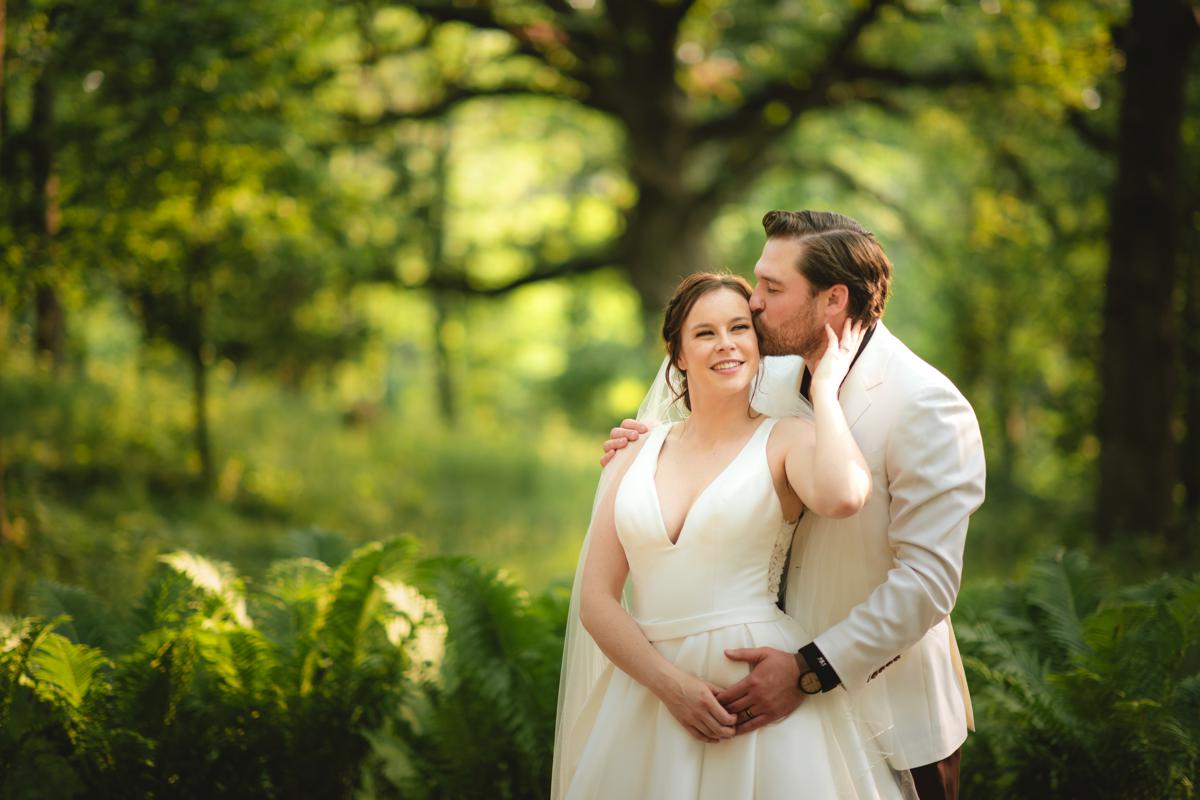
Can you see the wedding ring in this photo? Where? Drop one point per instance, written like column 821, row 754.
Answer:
column 749, row 715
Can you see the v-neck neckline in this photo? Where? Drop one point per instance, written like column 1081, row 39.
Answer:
column 662, row 521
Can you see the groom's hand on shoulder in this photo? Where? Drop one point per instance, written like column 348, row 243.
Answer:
column 770, row 692
column 619, row 437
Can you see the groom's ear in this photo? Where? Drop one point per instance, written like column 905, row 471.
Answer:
column 838, row 300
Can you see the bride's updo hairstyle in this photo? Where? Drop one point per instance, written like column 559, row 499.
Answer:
column 689, row 290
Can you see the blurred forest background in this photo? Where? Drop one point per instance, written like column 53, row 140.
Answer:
column 281, row 279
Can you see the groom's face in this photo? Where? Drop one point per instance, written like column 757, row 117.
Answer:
column 787, row 309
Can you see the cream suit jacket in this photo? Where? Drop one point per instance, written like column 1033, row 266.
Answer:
column 877, row 588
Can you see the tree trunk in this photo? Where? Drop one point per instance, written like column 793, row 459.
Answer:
column 666, row 239
column 195, row 306
column 446, row 392
column 1139, row 344
column 435, row 247
column 200, row 415
column 5, row 533
column 3, row 95
column 5, row 525
column 50, row 327
column 1190, row 452
column 666, row 233
column 8, row 162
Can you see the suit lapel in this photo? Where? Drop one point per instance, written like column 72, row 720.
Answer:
column 867, row 375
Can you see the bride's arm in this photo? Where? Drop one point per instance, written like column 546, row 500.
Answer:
column 690, row 700
column 824, row 466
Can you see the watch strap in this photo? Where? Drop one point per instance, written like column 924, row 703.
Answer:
column 820, row 665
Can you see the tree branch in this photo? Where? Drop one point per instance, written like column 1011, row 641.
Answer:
column 897, row 78
column 848, row 39
column 884, row 103
column 747, row 149
column 787, row 90
column 454, row 97
column 531, row 40
column 477, row 16
column 461, row 284
column 1008, row 160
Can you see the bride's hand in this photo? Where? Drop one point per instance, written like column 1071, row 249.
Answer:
column 693, row 702
column 838, row 356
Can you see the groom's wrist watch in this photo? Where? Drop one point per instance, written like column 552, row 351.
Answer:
column 816, row 674
column 809, row 683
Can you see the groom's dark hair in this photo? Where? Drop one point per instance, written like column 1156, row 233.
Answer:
column 837, row 249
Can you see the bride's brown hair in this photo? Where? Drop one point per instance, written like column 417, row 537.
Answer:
column 689, row 290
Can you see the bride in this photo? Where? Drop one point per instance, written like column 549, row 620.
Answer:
column 698, row 515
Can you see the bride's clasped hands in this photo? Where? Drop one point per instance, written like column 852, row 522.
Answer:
column 694, row 703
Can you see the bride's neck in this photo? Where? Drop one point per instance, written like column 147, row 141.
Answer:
column 714, row 418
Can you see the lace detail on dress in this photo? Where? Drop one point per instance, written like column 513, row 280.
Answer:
column 779, row 557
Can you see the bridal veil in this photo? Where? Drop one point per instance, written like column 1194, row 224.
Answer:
column 585, row 669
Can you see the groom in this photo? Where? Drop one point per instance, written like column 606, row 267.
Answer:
column 877, row 588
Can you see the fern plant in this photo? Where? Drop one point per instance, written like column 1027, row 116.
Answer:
column 484, row 725
column 1081, row 691
column 194, row 698
column 387, row 676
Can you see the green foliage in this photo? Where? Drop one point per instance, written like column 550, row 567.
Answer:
column 319, row 683
column 484, row 726
column 389, row 676
column 63, row 672
column 98, row 486
column 1081, row 692
column 82, row 618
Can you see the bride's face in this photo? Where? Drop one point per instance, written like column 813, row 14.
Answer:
column 719, row 347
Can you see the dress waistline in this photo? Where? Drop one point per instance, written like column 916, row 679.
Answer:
column 661, row 630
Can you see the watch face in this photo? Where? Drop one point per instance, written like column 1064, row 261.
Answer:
column 810, row 683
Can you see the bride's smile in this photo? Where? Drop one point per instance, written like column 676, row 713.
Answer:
column 719, row 337
column 727, row 367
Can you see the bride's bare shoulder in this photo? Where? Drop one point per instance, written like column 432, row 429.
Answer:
column 790, row 428
column 788, row 434
column 625, row 456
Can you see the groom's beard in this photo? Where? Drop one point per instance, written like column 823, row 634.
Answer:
column 803, row 337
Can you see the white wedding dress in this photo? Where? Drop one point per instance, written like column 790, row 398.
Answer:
column 716, row 588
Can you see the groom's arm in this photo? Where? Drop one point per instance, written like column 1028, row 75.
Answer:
column 775, row 395
column 935, row 469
